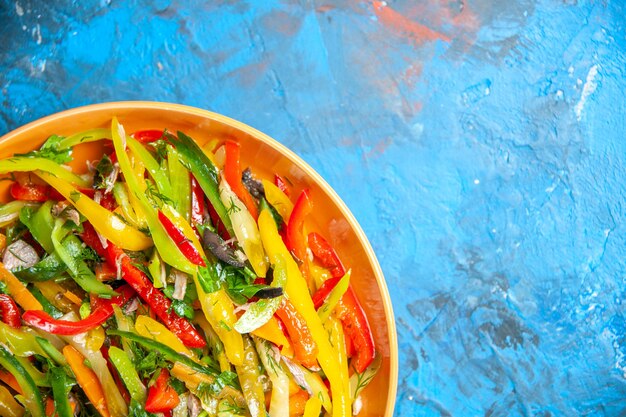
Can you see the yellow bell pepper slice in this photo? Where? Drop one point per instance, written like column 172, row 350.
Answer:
column 213, row 340
column 337, row 339
column 105, row 222
column 278, row 199
column 152, row 329
column 220, row 313
column 297, row 291
column 272, row 332
column 8, row 406
column 313, row 407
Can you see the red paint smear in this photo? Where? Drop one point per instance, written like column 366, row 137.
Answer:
column 249, row 75
column 412, row 73
column 405, row 27
column 461, row 23
column 325, row 8
column 378, row 149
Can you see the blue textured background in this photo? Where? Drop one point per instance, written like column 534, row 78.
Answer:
column 479, row 143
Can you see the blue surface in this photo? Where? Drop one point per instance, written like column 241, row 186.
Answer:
column 480, row 144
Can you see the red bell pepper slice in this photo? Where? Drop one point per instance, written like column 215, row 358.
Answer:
column 30, row 192
column 323, row 291
column 9, row 312
column 326, row 255
column 232, row 173
column 281, row 184
column 304, row 346
column 296, row 241
column 197, row 203
column 185, row 246
column 350, row 350
column 159, row 303
column 356, row 326
column 148, row 135
column 102, row 311
column 161, row 396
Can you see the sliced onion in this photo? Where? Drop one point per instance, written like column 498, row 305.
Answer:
column 180, row 285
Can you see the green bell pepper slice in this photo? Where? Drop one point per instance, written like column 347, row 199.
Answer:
column 69, row 248
column 31, row 396
column 59, row 382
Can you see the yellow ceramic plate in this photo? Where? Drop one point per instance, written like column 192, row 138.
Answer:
column 266, row 156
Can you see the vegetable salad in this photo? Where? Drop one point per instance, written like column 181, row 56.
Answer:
column 168, row 280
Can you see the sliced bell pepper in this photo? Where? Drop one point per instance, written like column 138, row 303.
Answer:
column 161, row 396
column 21, row 342
column 358, row 329
column 334, row 297
column 128, row 373
column 167, row 352
column 9, row 311
column 137, row 186
column 161, row 179
column 272, row 332
column 220, row 313
column 87, row 136
column 297, row 292
column 304, row 345
column 8, row 378
column 185, row 245
column 69, row 248
column 194, row 379
column 52, row 297
column 323, row 291
column 245, row 229
column 30, row 192
column 232, row 173
column 152, row 329
column 102, row 311
column 278, row 199
column 40, row 224
column 160, row 304
column 181, row 183
column 60, row 390
column 216, row 347
column 337, row 339
column 297, row 403
column 30, row 393
column 18, row 291
column 295, row 235
column 250, row 380
column 148, row 135
column 326, row 254
column 313, row 407
column 10, row 211
column 281, row 183
column 125, row 206
column 28, row 164
column 87, row 379
column 205, row 173
column 8, row 406
column 105, row 222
